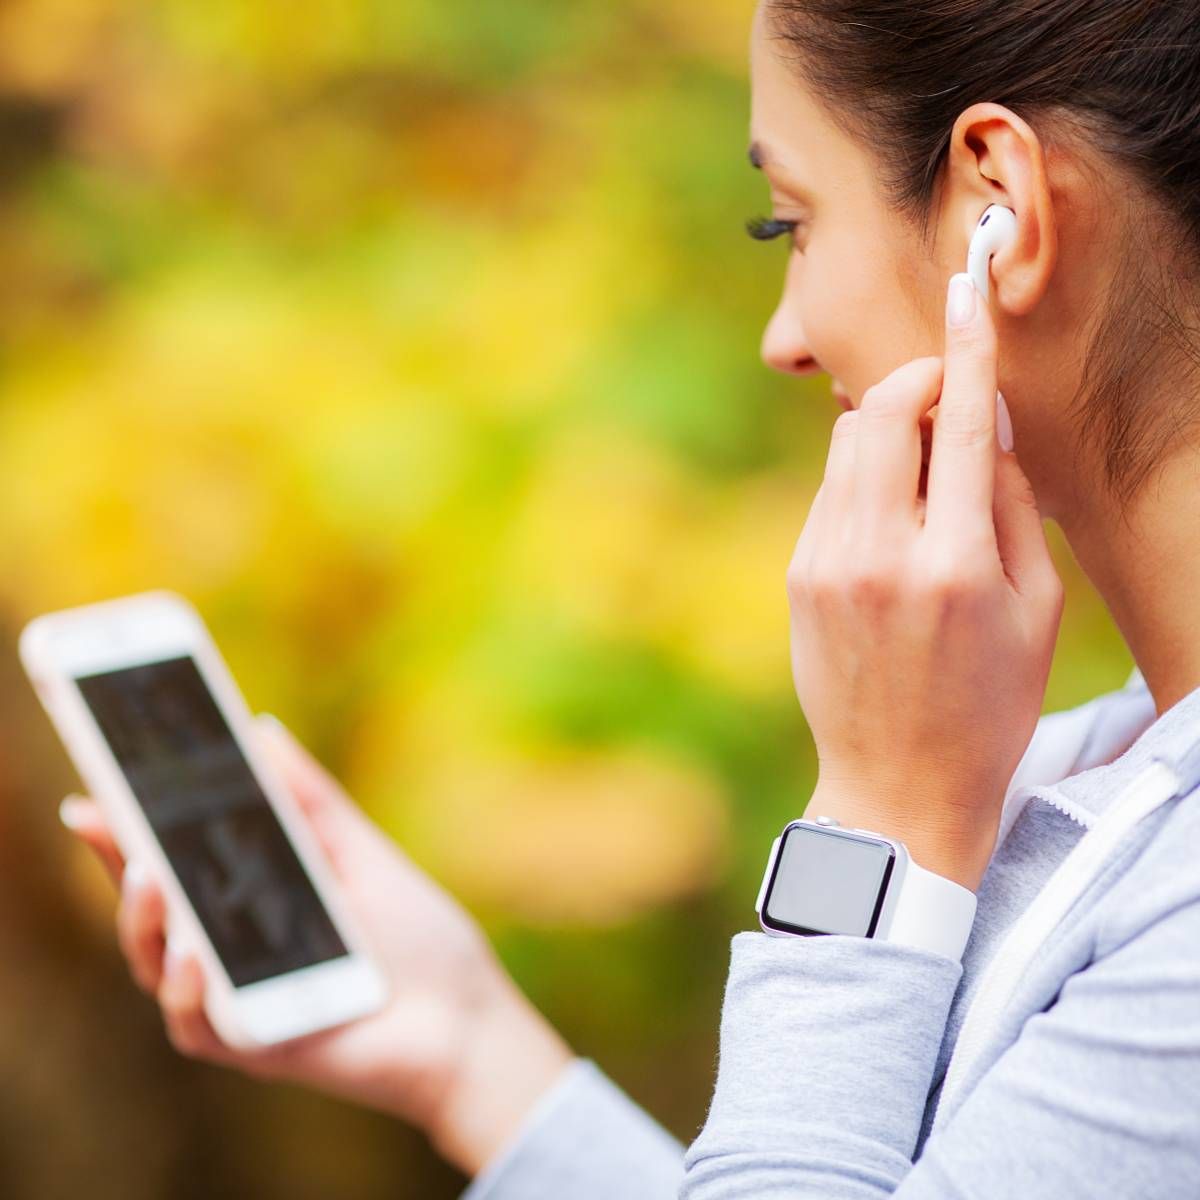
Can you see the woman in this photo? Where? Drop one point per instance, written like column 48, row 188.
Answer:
column 924, row 610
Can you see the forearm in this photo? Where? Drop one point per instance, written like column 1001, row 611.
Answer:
column 528, row 1119
column 586, row 1139
column 953, row 842
column 511, row 1057
column 828, row 1046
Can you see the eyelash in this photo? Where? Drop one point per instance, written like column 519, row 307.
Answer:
column 764, row 229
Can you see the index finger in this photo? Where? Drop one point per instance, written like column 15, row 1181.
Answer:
column 962, row 458
column 84, row 819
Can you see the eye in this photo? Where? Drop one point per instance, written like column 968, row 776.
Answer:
column 765, row 229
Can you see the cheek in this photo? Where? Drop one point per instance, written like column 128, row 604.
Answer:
column 859, row 322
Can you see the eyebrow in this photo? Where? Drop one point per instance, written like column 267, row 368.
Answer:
column 759, row 158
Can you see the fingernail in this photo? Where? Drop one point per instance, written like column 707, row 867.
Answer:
column 1004, row 430
column 174, row 954
column 960, row 300
column 135, row 877
column 69, row 813
column 272, row 722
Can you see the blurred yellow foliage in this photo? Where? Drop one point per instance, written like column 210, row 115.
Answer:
column 556, row 838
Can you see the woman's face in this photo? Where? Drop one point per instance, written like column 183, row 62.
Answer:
column 861, row 296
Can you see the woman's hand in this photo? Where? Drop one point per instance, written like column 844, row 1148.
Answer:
column 923, row 621
column 458, row 1051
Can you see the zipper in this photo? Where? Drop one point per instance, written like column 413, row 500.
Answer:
column 1065, row 805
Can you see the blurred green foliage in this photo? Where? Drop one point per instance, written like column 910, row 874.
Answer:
column 417, row 344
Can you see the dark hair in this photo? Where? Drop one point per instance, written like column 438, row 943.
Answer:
column 1124, row 74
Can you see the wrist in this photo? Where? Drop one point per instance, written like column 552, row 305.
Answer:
column 954, row 848
column 511, row 1056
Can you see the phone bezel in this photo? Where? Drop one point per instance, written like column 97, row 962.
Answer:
column 56, row 650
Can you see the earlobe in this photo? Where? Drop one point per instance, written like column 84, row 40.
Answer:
column 1000, row 157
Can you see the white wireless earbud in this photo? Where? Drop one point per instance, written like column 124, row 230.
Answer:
column 996, row 228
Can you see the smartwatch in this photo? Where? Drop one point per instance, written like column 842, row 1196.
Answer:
column 822, row 878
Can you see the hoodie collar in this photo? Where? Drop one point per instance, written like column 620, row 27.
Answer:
column 1173, row 738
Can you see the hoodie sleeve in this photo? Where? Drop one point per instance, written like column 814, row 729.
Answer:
column 827, row 1053
column 828, row 1046
column 585, row 1139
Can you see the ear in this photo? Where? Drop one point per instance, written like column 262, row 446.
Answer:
column 995, row 157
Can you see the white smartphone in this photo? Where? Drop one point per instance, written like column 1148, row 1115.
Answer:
column 161, row 736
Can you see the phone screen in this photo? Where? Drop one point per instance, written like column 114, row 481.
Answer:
column 206, row 808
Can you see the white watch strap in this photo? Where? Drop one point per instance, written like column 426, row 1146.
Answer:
column 931, row 912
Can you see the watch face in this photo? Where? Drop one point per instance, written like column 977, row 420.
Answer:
column 828, row 881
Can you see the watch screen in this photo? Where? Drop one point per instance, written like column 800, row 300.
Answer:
column 828, row 882
column 218, row 830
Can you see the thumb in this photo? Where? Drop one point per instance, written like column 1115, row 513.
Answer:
column 1020, row 538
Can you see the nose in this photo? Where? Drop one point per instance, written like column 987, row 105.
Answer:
column 783, row 346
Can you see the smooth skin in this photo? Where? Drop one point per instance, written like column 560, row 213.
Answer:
column 923, row 605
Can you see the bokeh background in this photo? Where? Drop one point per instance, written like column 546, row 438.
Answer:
column 416, row 342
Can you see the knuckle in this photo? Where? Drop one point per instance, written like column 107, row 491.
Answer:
column 973, row 343
column 822, row 585
column 180, row 1027
column 1050, row 590
column 884, row 401
column 796, row 579
column 145, row 980
column 960, row 426
column 870, row 582
column 869, row 587
column 176, row 1034
column 1024, row 494
column 1059, row 599
column 844, row 425
column 951, row 578
column 142, row 973
column 938, row 584
column 130, row 945
column 148, row 957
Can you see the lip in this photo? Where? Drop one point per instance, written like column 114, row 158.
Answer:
column 841, row 395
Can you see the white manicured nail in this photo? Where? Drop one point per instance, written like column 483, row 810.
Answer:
column 174, row 955
column 960, row 300
column 135, row 878
column 1004, row 429
column 68, row 813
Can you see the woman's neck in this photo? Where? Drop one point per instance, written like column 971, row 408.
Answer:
column 1146, row 566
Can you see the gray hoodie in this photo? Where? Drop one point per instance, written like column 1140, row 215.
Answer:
column 842, row 1073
